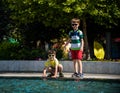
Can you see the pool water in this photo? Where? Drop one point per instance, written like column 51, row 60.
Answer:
column 38, row 85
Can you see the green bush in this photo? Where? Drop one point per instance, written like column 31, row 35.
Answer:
column 38, row 54
column 23, row 54
column 8, row 50
column 59, row 53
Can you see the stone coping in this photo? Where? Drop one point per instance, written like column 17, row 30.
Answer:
column 37, row 66
column 66, row 76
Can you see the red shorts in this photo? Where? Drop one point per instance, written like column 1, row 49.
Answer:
column 77, row 54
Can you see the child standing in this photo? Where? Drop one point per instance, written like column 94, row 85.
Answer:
column 52, row 65
column 77, row 44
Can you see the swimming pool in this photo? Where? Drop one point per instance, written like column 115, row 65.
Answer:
column 38, row 85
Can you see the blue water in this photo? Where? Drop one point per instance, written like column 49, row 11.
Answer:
column 38, row 85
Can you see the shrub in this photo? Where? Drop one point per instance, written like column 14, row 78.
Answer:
column 8, row 50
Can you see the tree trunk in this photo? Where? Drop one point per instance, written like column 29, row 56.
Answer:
column 108, row 45
column 86, row 45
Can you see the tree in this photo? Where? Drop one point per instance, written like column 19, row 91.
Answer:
column 4, row 19
column 56, row 14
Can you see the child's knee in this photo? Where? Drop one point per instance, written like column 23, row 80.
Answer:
column 60, row 67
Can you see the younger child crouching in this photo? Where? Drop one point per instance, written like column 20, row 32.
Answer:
column 52, row 65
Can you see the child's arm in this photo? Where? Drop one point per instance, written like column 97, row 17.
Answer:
column 82, row 45
column 68, row 41
column 44, row 72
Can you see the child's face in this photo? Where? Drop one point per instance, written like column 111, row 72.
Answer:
column 51, row 56
column 75, row 26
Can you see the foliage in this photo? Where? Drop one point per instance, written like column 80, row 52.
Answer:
column 10, row 51
column 59, row 53
column 31, row 20
column 106, row 12
column 4, row 19
column 54, row 15
column 47, row 11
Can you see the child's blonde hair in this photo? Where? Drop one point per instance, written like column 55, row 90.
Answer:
column 75, row 20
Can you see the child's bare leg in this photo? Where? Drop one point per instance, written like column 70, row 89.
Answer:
column 60, row 68
column 75, row 66
column 51, row 71
column 79, row 66
column 80, row 74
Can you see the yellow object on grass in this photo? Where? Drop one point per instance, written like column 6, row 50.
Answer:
column 99, row 51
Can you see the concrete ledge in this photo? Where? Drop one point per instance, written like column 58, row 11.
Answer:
column 37, row 66
column 66, row 76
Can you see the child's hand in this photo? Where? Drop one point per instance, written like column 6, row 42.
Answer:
column 44, row 75
column 54, row 76
column 81, row 49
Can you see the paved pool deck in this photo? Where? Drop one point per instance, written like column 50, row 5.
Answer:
column 66, row 75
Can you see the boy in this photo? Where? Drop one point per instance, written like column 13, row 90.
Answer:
column 77, row 44
column 52, row 65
